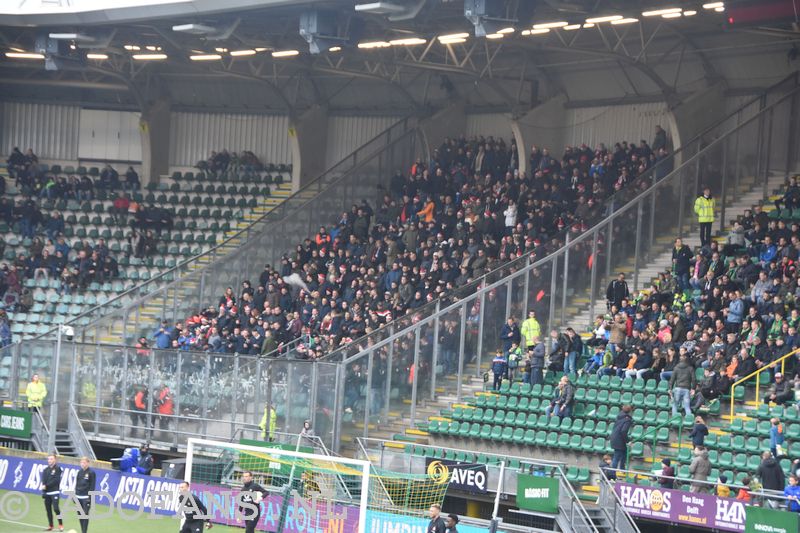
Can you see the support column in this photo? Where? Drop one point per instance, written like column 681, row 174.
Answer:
column 154, row 127
column 308, row 137
column 536, row 128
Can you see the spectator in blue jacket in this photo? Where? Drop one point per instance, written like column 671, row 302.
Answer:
column 792, row 493
column 735, row 313
column 163, row 336
column 499, row 369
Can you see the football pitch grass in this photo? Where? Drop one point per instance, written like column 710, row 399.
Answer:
column 36, row 520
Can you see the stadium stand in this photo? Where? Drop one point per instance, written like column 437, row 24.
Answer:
column 55, row 217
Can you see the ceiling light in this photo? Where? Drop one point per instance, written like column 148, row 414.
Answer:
column 411, row 41
column 571, row 27
column 238, row 53
column 540, row 31
column 24, row 55
column 671, row 15
column 149, row 57
column 659, row 12
column 261, row 49
column 719, row 9
column 96, row 56
column 374, row 44
column 205, row 57
column 525, row 33
column 713, row 5
column 72, row 47
column 458, row 40
column 221, row 50
column 628, row 21
column 285, row 53
column 335, row 49
column 132, row 48
column 606, row 18
column 151, row 48
column 690, row 13
column 495, row 36
column 20, row 50
column 545, row 25
column 453, row 36
column 589, row 25
column 506, row 30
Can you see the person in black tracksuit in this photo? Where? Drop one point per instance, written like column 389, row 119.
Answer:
column 193, row 512
column 86, row 482
column 249, row 487
column 50, row 483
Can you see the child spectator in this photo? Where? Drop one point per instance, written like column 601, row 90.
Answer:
column 744, row 491
column 723, row 490
column 792, row 493
column 776, row 438
column 596, row 361
column 699, row 432
column 667, row 480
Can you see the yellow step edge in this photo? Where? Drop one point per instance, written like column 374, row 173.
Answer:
column 737, row 415
column 486, row 393
column 439, row 419
column 590, row 488
column 682, row 445
column 461, row 406
column 417, row 432
column 396, row 445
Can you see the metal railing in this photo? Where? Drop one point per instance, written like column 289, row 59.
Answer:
column 193, row 283
column 78, row 435
column 757, row 374
column 610, row 504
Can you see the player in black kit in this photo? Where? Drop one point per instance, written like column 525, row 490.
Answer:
column 83, row 485
column 192, row 513
column 252, row 493
column 50, row 483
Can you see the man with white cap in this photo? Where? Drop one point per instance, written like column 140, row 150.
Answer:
column 781, row 391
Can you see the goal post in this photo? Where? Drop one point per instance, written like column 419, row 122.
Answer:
column 315, row 492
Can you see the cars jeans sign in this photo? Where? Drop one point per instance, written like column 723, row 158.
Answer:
column 687, row 508
column 14, row 423
column 468, row 477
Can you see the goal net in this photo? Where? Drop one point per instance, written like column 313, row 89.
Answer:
column 303, row 491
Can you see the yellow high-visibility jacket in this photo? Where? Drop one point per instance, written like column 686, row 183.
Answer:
column 704, row 209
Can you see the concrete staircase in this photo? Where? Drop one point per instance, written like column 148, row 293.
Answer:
column 578, row 311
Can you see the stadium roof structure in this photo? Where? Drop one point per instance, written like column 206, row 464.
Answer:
column 402, row 55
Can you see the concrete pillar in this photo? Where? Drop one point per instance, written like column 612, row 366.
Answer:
column 154, row 127
column 308, row 136
column 449, row 122
column 543, row 126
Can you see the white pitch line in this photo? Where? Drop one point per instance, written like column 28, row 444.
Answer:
column 20, row 523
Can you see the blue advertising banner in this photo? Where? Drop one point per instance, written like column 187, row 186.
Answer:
column 24, row 475
column 378, row 522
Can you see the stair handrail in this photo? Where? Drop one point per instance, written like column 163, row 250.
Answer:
column 781, row 360
column 78, row 434
column 406, row 125
column 654, row 430
column 607, row 488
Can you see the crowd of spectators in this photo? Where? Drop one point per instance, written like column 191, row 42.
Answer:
column 224, row 161
column 440, row 225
